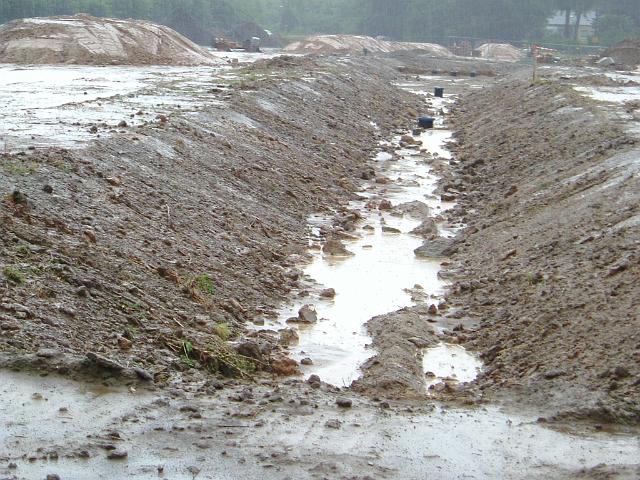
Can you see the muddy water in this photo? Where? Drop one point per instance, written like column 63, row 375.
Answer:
column 49, row 105
column 378, row 278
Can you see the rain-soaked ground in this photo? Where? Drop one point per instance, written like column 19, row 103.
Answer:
column 57, row 105
column 50, row 425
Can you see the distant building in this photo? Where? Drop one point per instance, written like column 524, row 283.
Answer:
column 586, row 30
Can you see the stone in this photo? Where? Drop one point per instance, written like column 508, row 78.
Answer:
column 440, row 247
column 426, row 229
column 47, row 189
column 335, row 247
column 284, row 366
column 53, row 476
column 307, row 314
column 117, row 454
column 306, row 361
column 328, row 293
column 288, row 336
column 385, row 205
column 123, row 124
column 104, row 362
column 124, row 343
column 387, row 229
column 343, row 402
column 250, row 349
column 333, row 423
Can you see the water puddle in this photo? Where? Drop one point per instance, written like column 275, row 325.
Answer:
column 449, row 363
column 383, row 271
column 611, row 94
column 47, row 105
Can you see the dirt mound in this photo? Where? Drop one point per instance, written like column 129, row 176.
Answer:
column 549, row 262
column 502, row 52
column 355, row 43
column 86, row 40
column 626, row 53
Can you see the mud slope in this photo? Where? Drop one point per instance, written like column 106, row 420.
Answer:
column 549, row 263
column 172, row 232
column 87, row 40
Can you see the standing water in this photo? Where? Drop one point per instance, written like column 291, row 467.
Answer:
column 383, row 270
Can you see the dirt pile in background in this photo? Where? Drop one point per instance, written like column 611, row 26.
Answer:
column 549, row 263
column 86, row 40
column 502, row 52
column 625, row 53
column 357, row 44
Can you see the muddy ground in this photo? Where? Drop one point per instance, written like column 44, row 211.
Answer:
column 143, row 258
column 549, row 263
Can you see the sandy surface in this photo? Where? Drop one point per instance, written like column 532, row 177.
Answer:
column 357, row 44
column 87, row 40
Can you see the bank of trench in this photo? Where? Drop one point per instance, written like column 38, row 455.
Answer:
column 184, row 228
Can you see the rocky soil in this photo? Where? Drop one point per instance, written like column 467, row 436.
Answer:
column 150, row 249
column 549, row 264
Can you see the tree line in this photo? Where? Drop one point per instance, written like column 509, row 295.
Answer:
column 414, row 20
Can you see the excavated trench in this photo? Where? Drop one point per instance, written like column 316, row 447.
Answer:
column 189, row 435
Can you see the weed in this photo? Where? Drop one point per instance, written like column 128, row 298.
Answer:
column 204, row 284
column 131, row 332
column 187, row 349
column 14, row 275
column 23, row 251
column 222, row 331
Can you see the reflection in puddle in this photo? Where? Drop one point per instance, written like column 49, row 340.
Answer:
column 449, row 362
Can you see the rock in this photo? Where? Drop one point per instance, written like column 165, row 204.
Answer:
column 19, row 198
column 550, row 375
column 419, row 342
column 334, row 247
column 306, row 361
column 82, row 292
column 143, row 374
column 415, row 209
column 333, row 423
column 314, row 381
column 93, row 129
column 512, row 191
column 91, row 235
column 307, row 314
column 328, row 293
column 621, row 372
column 440, row 247
column 250, row 349
column 124, row 343
column 47, row 189
column 385, row 205
column 53, row 476
column 117, row 454
column 288, row 336
column 386, row 229
column 426, row 229
column 123, row 124
column 368, row 174
column 104, row 362
column 433, row 310
column 344, row 402
column 285, row 366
